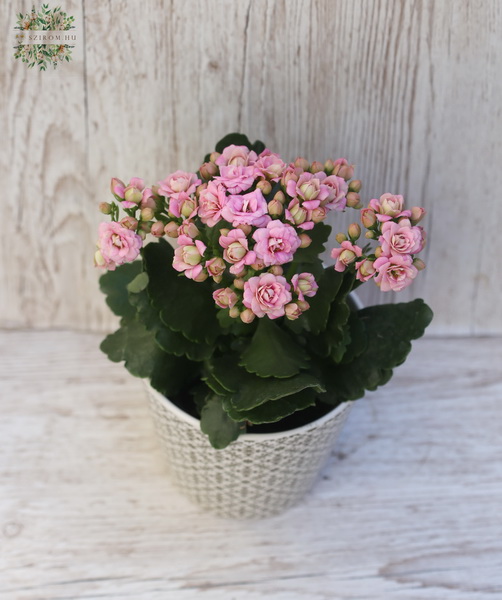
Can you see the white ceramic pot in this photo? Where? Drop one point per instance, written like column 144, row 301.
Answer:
column 256, row 476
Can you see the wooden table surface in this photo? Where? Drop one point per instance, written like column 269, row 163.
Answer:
column 409, row 507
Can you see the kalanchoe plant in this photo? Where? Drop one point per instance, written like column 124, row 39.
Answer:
column 241, row 324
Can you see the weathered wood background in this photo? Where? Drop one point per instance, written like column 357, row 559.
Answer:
column 410, row 91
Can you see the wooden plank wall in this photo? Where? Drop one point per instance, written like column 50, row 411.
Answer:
column 408, row 90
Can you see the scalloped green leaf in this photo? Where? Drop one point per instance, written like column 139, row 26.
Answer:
column 215, row 422
column 320, row 304
column 114, row 285
column 273, row 352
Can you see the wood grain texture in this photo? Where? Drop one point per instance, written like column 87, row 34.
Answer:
column 409, row 91
column 408, row 507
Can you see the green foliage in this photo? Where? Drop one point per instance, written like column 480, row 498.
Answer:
column 217, row 425
column 114, row 285
column 239, row 139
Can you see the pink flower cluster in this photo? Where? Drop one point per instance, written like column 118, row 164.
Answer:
column 245, row 215
column 393, row 265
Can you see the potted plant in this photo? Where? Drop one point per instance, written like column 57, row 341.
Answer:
column 254, row 350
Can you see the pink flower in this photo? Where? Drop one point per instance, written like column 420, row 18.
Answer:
column 337, row 191
column 236, row 178
column 246, row 209
column 177, row 182
column 215, row 267
column 225, row 297
column 236, row 250
column 304, row 284
column 211, row 201
column 187, row 257
column 183, row 205
column 389, row 207
column 270, row 165
column 239, row 156
column 276, row 244
column 345, row 255
column 117, row 245
column 117, row 187
column 365, row 270
column 400, row 238
column 267, row 295
column 394, row 272
column 308, row 189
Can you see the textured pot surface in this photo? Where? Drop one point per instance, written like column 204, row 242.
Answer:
column 258, row 475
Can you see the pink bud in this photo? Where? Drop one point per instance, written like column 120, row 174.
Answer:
column 417, row 214
column 298, row 213
column 371, row 235
column 147, row 214
column 208, row 170
column 378, row 251
column 239, row 284
column 234, row 312
column 368, row 217
column 292, row 311
column 188, row 228
column 200, row 188
column 157, row 229
column 215, row 267
column 129, row 223
column 353, row 199
column 247, row 316
column 148, row 203
column 419, row 264
column 276, row 270
column 117, row 187
column 202, row 276
column 355, row 186
column 131, row 194
column 245, row 228
column 264, row 186
column 305, row 240
column 224, row 231
column 318, row 214
column 214, row 156
column 302, row 163
column 171, row 229
column 99, row 261
column 329, row 165
column 275, row 208
column 354, row 231
column 105, row 208
column 340, row 237
column 316, row 167
column 258, row 265
column 280, row 197
column 303, row 305
column 145, row 226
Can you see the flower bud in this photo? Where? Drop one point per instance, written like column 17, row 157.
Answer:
column 353, row 199
column 129, row 223
column 287, row 177
column 117, row 187
column 171, row 229
column 131, row 194
column 200, row 188
column 303, row 305
column 191, row 255
column 329, row 165
column 208, row 170
column 214, row 156
column 202, row 276
column 318, row 214
column 378, row 251
column 316, row 167
column 157, row 229
column 187, row 207
column 298, row 213
column 355, row 186
column 371, row 235
column 275, row 208
column 247, row 316
column 365, row 269
column 419, row 264
column 305, row 240
column 147, row 214
column 155, row 190
column 280, row 197
column 340, row 237
column 188, row 228
column 141, row 233
column 292, row 311
column 241, row 273
column 302, row 163
column 99, row 261
column 264, row 186
column 234, row 312
column 148, row 202
column 417, row 214
column 258, row 265
column 215, row 267
column 247, row 229
column 224, row 231
column 354, row 231
column 239, row 284
column 276, row 270
column 145, row 226
column 368, row 217
column 343, row 169
column 105, row 208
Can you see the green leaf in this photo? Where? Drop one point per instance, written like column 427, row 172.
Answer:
column 217, row 425
column 135, row 345
column 114, row 285
column 238, row 139
column 320, row 304
column 275, row 410
column 246, row 391
column 185, row 305
column 272, row 352
column 139, row 283
column 319, row 235
column 176, row 343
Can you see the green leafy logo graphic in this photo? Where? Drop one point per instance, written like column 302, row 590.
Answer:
column 46, row 53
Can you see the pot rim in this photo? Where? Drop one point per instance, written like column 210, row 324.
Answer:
column 248, row 437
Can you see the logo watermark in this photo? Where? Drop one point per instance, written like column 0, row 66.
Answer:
column 44, row 37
